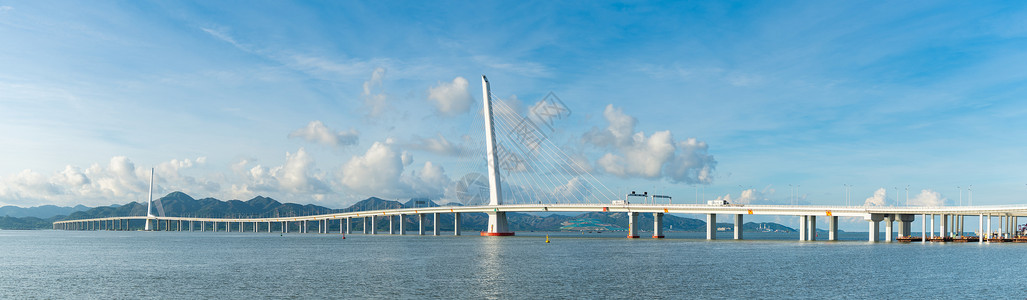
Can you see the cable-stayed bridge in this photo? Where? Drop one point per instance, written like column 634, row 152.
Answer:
column 548, row 179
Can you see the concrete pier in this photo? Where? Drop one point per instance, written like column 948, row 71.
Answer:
column 402, row 224
column 888, row 227
column 374, row 229
column 875, row 226
column 711, row 226
column 632, row 225
column 832, row 228
column 420, row 224
column 456, row 223
column 943, row 231
column 435, row 228
column 803, row 232
column 738, row 226
column 392, row 229
column 812, row 228
column 657, row 225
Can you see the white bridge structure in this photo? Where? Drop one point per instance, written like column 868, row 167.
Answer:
column 945, row 222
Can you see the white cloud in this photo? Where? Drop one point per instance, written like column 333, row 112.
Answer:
column 928, row 198
column 878, row 199
column 655, row 156
column 380, row 172
column 438, row 145
column 5, row 8
column 296, row 176
column 451, row 98
column 317, row 132
column 375, row 99
column 119, row 181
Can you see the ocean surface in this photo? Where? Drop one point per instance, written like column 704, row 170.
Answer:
column 189, row 265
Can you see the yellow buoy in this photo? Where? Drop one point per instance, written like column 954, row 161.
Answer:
column 547, row 238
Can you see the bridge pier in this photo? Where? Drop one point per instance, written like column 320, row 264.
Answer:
column 980, row 228
column 402, row 225
column 436, row 230
column 498, row 225
column 657, row 225
column 711, row 226
column 420, row 224
column 803, row 222
column 812, row 228
column 374, row 229
column 832, row 228
column 632, row 225
column 875, row 226
column 392, row 229
column 738, row 226
column 944, row 232
column 989, row 227
column 456, row 223
column 906, row 225
column 889, row 220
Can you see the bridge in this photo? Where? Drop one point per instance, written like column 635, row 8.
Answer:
column 950, row 225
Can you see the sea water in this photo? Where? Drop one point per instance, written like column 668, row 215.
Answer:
column 189, row 265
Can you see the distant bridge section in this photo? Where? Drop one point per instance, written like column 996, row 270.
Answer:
column 950, row 224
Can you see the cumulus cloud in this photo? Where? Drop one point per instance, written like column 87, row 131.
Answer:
column 928, row 198
column 451, row 98
column 438, row 145
column 380, row 172
column 752, row 196
column 656, row 156
column 317, row 132
column 297, row 175
column 375, row 99
column 117, row 181
column 878, row 199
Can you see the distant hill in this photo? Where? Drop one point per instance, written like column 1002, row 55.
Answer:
column 44, row 211
column 179, row 204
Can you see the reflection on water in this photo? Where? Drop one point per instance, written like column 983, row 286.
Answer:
column 131, row 265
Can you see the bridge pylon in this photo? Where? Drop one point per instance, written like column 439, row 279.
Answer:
column 498, row 225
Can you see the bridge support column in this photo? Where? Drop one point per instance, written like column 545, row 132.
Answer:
column 906, row 225
column 349, row 222
column 988, row 234
column 812, row 228
column 392, row 229
column 436, row 230
column 402, row 225
column 420, row 224
column 711, row 226
column 374, row 228
column 498, row 225
column 738, row 226
column 363, row 224
column 803, row 232
column 657, row 225
column 980, row 228
column 944, row 231
column 456, row 223
column 632, row 225
column 889, row 221
column 832, row 228
column 875, row 226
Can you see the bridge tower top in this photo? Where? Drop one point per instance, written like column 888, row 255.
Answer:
column 495, row 192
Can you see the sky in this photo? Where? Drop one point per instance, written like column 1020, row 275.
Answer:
column 762, row 102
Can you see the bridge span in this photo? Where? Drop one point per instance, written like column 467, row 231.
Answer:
column 950, row 220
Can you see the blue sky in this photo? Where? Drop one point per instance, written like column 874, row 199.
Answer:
column 329, row 103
